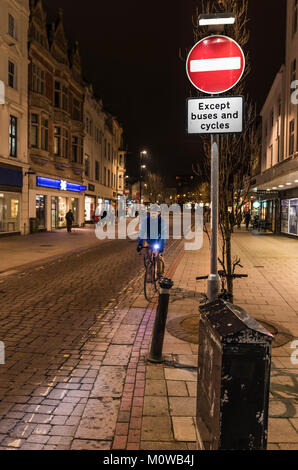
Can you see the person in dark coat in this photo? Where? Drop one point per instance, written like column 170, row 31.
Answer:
column 247, row 219
column 69, row 220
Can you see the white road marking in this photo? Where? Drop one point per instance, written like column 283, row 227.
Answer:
column 212, row 65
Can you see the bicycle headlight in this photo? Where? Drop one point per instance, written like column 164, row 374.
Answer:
column 156, row 247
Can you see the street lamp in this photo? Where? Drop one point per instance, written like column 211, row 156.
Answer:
column 143, row 152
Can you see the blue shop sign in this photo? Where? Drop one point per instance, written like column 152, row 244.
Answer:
column 10, row 177
column 62, row 185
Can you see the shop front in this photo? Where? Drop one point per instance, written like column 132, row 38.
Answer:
column 90, row 206
column 289, row 217
column 50, row 201
column 265, row 209
column 11, row 183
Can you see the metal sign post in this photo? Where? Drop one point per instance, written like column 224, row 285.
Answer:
column 213, row 276
column 215, row 65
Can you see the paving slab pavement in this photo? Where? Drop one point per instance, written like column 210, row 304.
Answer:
column 107, row 396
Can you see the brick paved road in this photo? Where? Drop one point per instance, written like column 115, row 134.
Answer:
column 49, row 316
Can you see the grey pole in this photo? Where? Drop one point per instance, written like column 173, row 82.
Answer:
column 213, row 276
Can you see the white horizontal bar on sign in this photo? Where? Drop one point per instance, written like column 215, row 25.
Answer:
column 212, row 65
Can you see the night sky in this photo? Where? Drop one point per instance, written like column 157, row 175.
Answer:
column 130, row 52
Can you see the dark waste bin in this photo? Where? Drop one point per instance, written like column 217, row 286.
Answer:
column 233, row 379
column 33, row 225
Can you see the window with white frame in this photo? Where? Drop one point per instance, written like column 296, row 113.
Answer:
column 97, row 170
column 11, row 26
column 38, row 79
column 76, row 113
column 12, row 82
column 57, row 141
column 292, row 137
column 87, row 165
column 64, row 143
column 44, row 133
column 34, row 140
column 13, row 136
column 77, row 149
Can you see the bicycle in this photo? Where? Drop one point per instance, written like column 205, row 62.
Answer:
column 154, row 270
column 224, row 294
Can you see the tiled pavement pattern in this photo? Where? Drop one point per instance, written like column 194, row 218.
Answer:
column 97, row 391
column 269, row 293
column 61, row 326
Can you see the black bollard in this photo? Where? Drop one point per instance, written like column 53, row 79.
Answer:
column 155, row 354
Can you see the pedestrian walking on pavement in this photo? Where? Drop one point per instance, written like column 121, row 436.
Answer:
column 69, row 220
column 247, row 219
column 239, row 219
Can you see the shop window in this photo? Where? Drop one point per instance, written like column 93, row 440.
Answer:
column 38, row 80
column 34, row 130
column 40, row 211
column 292, row 137
column 9, row 212
column 13, row 135
column 75, row 209
column 57, row 141
column 11, row 74
column 11, row 26
column 44, row 133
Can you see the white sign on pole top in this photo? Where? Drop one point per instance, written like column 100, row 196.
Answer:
column 2, row 92
column 215, row 115
column 215, row 64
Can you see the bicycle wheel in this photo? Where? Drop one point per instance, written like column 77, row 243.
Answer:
column 150, row 281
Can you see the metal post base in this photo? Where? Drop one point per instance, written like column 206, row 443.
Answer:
column 212, row 287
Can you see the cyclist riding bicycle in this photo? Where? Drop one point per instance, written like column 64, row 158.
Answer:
column 153, row 230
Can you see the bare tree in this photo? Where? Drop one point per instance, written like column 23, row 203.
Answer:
column 235, row 150
column 155, row 187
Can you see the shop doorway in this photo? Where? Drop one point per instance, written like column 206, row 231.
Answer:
column 41, row 212
column 58, row 212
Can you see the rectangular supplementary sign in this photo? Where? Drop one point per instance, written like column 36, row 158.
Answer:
column 215, row 115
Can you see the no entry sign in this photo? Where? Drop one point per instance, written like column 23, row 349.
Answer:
column 215, row 115
column 215, row 64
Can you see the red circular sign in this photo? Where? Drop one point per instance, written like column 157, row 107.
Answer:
column 215, row 64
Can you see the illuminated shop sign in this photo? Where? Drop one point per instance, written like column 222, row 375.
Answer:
column 62, row 185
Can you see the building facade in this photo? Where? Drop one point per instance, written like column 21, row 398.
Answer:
column 276, row 187
column 56, row 129
column 104, row 157
column 14, row 20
